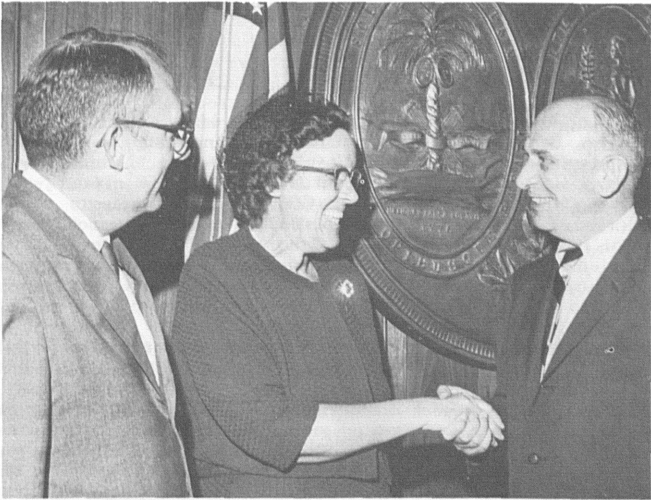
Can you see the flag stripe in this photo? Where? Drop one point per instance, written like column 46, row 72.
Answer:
column 227, row 72
column 254, row 90
column 275, row 24
column 278, row 71
column 249, row 65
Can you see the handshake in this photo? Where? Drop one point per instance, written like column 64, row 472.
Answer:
column 467, row 420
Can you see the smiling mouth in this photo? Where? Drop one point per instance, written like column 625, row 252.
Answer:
column 333, row 215
column 539, row 200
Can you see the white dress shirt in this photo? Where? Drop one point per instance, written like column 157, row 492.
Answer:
column 583, row 275
column 127, row 283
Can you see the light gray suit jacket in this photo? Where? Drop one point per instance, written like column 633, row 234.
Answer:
column 82, row 412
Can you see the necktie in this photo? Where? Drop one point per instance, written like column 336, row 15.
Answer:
column 558, row 288
column 143, row 340
column 108, row 254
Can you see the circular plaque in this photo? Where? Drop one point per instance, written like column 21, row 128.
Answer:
column 440, row 108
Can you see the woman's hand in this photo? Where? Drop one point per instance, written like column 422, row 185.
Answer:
column 467, row 420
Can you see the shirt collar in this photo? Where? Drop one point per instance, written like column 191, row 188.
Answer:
column 607, row 242
column 64, row 203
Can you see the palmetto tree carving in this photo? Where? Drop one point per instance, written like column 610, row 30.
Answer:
column 432, row 42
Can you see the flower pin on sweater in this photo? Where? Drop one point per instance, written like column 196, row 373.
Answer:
column 346, row 288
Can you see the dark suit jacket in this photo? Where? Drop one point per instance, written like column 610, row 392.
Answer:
column 584, row 431
column 82, row 412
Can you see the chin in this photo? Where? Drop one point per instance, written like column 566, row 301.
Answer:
column 540, row 225
column 333, row 243
column 326, row 247
column 154, row 204
column 329, row 241
column 537, row 219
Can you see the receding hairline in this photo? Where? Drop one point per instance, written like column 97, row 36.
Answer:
column 579, row 110
column 584, row 106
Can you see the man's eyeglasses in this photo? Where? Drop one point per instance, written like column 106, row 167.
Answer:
column 181, row 134
column 339, row 175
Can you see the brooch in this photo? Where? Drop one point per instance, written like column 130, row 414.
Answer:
column 346, row 288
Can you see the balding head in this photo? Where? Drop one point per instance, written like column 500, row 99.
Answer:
column 585, row 157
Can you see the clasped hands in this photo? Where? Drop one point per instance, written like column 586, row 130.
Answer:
column 469, row 422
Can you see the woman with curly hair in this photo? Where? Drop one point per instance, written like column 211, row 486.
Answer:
column 278, row 359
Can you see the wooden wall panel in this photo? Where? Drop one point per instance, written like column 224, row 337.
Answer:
column 9, row 78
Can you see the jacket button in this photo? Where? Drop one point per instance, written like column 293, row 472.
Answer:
column 533, row 458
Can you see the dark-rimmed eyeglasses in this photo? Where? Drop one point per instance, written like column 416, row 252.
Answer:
column 181, row 134
column 339, row 175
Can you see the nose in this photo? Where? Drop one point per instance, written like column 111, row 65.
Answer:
column 527, row 175
column 348, row 193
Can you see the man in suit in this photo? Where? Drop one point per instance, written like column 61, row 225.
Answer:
column 88, row 394
column 573, row 368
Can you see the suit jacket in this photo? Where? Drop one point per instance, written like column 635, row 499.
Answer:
column 584, row 430
column 83, row 414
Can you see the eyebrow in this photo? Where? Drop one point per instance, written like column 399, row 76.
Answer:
column 543, row 154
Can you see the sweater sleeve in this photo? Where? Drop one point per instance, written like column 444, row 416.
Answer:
column 235, row 369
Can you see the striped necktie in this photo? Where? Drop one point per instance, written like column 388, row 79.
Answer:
column 558, row 288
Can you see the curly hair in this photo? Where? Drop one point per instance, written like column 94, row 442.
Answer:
column 258, row 156
column 84, row 77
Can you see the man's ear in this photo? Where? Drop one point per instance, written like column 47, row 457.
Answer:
column 113, row 143
column 611, row 176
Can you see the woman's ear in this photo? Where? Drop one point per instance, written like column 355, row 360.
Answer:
column 611, row 176
column 274, row 192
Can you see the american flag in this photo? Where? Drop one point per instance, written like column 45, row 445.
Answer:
column 249, row 65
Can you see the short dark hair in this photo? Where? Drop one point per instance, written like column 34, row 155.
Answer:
column 257, row 157
column 83, row 77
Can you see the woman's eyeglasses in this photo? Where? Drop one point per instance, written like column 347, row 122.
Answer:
column 181, row 134
column 339, row 175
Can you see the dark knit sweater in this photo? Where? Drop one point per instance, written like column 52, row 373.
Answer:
column 257, row 349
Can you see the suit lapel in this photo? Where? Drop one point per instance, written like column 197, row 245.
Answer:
column 540, row 305
column 107, row 295
column 85, row 274
column 619, row 276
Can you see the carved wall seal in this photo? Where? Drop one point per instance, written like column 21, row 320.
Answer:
column 440, row 105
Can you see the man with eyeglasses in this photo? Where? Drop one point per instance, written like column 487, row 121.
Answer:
column 88, row 395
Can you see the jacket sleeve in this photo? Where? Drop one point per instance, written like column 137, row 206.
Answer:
column 25, row 390
column 488, row 472
column 236, row 368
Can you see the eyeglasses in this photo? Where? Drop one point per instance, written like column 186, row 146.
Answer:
column 181, row 134
column 339, row 175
